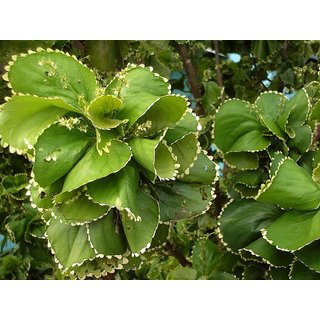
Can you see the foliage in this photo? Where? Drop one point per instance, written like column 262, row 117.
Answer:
column 70, row 133
column 109, row 163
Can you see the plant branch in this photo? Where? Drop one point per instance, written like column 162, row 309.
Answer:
column 192, row 77
column 218, row 66
column 172, row 251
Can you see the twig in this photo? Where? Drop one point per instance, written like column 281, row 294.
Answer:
column 192, row 77
column 218, row 67
column 171, row 248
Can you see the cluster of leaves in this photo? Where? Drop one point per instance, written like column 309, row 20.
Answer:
column 263, row 143
column 273, row 180
column 110, row 164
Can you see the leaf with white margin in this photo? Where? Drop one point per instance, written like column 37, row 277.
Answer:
column 23, row 119
column 57, row 150
column 303, row 138
column 188, row 123
column 117, row 190
column 292, row 188
column 183, row 200
column 139, row 232
column 155, row 156
column 79, row 210
column 240, row 222
column 310, row 255
column 294, row 230
column 164, row 113
column 93, row 166
column 242, row 160
column 138, row 88
column 69, row 243
column 300, row 272
column 294, row 113
column 186, row 151
column 106, row 235
column 237, row 128
column 53, row 74
column 101, row 111
column 203, row 171
column 269, row 107
column 268, row 253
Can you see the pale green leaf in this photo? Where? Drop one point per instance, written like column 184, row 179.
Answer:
column 53, row 74
column 155, row 156
column 101, row 111
column 164, row 113
column 138, row 88
column 291, row 187
column 188, row 123
column 93, row 166
column 23, row 119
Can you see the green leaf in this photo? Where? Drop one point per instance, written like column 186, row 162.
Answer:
column 310, row 255
column 70, row 243
column 183, row 273
column 237, row 128
column 303, row 138
column 300, row 272
column 93, row 166
column 106, row 55
column 57, row 150
column 106, row 235
column 138, row 88
column 269, row 253
column 212, row 95
column 294, row 230
column 291, row 187
column 23, row 119
column 139, row 232
column 186, row 150
column 79, row 210
column 241, row 222
column 117, row 190
column 53, row 74
column 242, row 160
column 183, row 201
column 203, row 171
column 269, row 108
column 155, row 156
column 188, row 123
column 102, row 110
column 294, row 113
column 14, row 183
column 164, row 113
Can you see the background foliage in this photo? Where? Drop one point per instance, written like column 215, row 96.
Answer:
column 207, row 73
